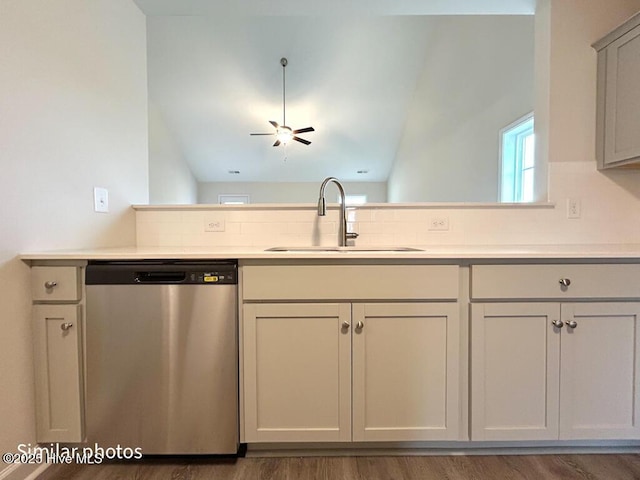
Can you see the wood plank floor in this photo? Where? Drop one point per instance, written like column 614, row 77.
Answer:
column 530, row 467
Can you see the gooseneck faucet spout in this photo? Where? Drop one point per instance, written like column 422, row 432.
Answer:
column 322, row 210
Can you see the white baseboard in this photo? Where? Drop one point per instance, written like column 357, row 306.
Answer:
column 19, row 471
column 442, row 448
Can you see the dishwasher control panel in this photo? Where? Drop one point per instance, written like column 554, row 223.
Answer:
column 165, row 272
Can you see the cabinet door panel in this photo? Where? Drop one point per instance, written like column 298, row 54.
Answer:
column 297, row 377
column 405, row 372
column 57, row 356
column 514, row 370
column 600, row 371
column 622, row 122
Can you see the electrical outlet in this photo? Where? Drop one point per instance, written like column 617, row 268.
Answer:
column 439, row 223
column 214, row 225
column 101, row 200
column 573, row 208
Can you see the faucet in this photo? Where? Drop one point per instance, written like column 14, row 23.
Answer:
column 322, row 211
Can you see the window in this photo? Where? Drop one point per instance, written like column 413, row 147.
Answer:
column 352, row 200
column 233, row 199
column 517, row 161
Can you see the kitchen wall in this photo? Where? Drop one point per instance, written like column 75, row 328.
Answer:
column 449, row 147
column 73, row 103
column 170, row 178
column 288, row 192
column 610, row 201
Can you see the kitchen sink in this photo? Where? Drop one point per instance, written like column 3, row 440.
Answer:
column 343, row 249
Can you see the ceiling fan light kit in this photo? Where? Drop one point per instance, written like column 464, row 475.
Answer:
column 283, row 133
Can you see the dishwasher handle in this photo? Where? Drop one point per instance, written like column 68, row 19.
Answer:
column 160, row 277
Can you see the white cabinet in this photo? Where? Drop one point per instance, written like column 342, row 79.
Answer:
column 57, row 333
column 515, row 368
column 297, row 374
column 405, row 371
column 321, row 371
column 618, row 96
column 300, row 361
column 549, row 370
column 600, row 371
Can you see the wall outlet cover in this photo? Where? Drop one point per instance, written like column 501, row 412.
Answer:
column 440, row 224
column 214, row 225
column 574, row 209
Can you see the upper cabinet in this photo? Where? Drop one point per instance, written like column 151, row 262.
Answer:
column 618, row 97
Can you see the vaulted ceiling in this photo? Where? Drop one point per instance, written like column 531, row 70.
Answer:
column 215, row 77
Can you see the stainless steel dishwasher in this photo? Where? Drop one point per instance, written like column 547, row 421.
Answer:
column 162, row 356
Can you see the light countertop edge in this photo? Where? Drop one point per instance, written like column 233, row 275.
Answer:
column 429, row 252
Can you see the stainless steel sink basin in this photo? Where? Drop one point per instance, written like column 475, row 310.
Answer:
column 343, row 249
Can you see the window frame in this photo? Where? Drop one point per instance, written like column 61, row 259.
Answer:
column 519, row 123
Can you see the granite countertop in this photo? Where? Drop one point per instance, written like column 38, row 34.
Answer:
column 430, row 252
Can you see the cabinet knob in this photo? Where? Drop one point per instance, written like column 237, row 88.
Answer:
column 359, row 326
column 50, row 284
column 66, row 326
column 557, row 323
column 571, row 323
column 346, row 325
column 565, row 282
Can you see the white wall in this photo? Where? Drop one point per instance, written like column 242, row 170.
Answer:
column 73, row 97
column 289, row 192
column 449, row 148
column 170, row 178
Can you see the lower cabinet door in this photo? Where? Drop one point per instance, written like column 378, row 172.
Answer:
column 405, row 371
column 59, row 386
column 600, row 367
column 515, row 365
column 297, row 372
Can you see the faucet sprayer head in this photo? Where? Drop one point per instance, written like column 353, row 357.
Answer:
column 322, row 207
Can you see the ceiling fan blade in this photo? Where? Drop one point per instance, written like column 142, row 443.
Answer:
column 304, row 130
column 262, row 133
column 277, row 143
column 275, row 124
column 302, row 140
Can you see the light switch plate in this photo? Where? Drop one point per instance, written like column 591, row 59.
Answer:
column 101, row 200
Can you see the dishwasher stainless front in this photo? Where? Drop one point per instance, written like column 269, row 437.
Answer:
column 162, row 356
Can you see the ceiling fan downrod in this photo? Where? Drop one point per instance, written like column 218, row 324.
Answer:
column 284, row 62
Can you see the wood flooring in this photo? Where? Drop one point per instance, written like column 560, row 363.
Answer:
column 495, row 467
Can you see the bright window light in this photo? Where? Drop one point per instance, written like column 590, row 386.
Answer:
column 351, row 200
column 517, row 161
column 233, row 199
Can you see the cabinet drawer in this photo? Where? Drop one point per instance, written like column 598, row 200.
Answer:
column 353, row 282
column 55, row 284
column 544, row 281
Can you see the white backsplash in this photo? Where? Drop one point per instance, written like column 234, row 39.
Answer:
column 610, row 214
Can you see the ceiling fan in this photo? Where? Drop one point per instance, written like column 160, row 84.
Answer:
column 283, row 133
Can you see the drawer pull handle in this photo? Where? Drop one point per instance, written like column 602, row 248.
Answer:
column 571, row 323
column 565, row 282
column 66, row 326
column 557, row 323
column 359, row 326
column 346, row 325
column 51, row 284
